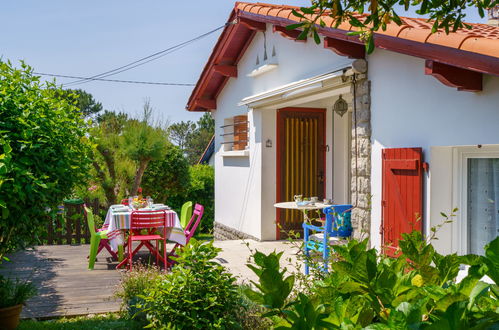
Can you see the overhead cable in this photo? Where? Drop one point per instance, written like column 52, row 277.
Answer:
column 143, row 60
column 115, row 80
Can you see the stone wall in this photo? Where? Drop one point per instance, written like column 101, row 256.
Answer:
column 361, row 158
column 224, row 233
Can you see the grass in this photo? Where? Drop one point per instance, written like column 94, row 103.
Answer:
column 204, row 237
column 103, row 321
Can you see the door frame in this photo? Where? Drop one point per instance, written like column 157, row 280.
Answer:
column 279, row 142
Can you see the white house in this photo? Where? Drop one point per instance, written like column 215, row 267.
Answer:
column 420, row 135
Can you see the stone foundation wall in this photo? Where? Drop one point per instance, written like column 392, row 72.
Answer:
column 224, row 233
column 361, row 159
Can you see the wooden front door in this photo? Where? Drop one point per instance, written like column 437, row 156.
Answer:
column 300, row 161
column 402, row 195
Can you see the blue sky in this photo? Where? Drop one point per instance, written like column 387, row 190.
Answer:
column 84, row 38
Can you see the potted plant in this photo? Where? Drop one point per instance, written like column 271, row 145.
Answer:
column 13, row 294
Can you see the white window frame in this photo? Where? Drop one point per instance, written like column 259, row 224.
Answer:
column 460, row 189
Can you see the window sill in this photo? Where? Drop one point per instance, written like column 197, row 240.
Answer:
column 235, row 153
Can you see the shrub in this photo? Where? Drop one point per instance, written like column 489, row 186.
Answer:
column 197, row 294
column 167, row 177
column 133, row 284
column 201, row 189
column 44, row 153
column 16, row 292
column 418, row 289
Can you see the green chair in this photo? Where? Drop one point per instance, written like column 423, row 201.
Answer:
column 185, row 214
column 98, row 239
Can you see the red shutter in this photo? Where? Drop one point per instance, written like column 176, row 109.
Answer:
column 402, row 200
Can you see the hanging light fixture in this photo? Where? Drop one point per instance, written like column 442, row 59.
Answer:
column 340, row 106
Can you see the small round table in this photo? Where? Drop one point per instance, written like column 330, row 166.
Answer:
column 304, row 209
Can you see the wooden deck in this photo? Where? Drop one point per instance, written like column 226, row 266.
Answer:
column 65, row 286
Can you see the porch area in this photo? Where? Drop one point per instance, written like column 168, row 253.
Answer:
column 67, row 288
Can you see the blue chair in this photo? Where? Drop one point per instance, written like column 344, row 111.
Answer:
column 338, row 225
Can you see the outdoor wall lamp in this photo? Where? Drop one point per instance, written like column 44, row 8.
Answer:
column 340, row 106
column 268, row 143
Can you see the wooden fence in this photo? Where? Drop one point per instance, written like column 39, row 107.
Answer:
column 70, row 225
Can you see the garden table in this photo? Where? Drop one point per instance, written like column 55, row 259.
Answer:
column 118, row 220
column 304, row 208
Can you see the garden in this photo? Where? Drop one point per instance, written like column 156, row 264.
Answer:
column 61, row 145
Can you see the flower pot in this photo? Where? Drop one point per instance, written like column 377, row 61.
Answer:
column 9, row 317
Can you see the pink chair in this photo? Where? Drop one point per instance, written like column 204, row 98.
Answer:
column 154, row 222
column 189, row 230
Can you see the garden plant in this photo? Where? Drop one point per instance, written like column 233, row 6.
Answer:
column 44, row 153
column 364, row 289
column 198, row 293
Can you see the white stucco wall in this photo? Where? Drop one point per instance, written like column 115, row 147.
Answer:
column 410, row 109
column 242, row 183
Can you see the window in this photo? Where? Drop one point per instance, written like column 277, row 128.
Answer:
column 235, row 133
column 476, row 194
column 482, row 207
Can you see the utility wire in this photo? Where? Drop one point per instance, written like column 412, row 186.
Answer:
column 115, row 80
column 143, row 61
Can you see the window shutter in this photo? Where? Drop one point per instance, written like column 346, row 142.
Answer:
column 402, row 194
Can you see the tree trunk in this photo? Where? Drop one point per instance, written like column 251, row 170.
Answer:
column 138, row 176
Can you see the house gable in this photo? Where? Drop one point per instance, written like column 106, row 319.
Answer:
column 473, row 50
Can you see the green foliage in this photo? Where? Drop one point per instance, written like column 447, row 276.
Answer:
column 445, row 15
column 199, row 139
column 84, row 101
column 197, row 294
column 132, row 285
column 416, row 290
column 168, row 176
column 201, row 190
column 95, row 322
column 143, row 143
column 44, row 154
column 15, row 292
column 180, row 132
column 113, row 172
column 193, row 138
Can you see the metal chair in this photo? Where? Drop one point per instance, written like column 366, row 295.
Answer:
column 337, row 226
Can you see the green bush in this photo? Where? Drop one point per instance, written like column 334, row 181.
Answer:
column 16, row 292
column 132, row 285
column 197, row 294
column 167, row 177
column 43, row 155
column 201, row 190
column 90, row 322
column 416, row 290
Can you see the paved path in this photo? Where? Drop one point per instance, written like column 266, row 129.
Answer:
column 67, row 288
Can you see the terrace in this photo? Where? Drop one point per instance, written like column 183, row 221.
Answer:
column 67, row 288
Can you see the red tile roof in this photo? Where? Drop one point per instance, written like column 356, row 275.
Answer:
column 482, row 38
column 476, row 49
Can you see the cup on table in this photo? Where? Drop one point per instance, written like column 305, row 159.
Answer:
column 130, row 202
column 314, row 199
column 149, row 201
column 298, row 198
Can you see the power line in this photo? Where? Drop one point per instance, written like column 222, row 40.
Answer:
column 114, row 80
column 142, row 60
